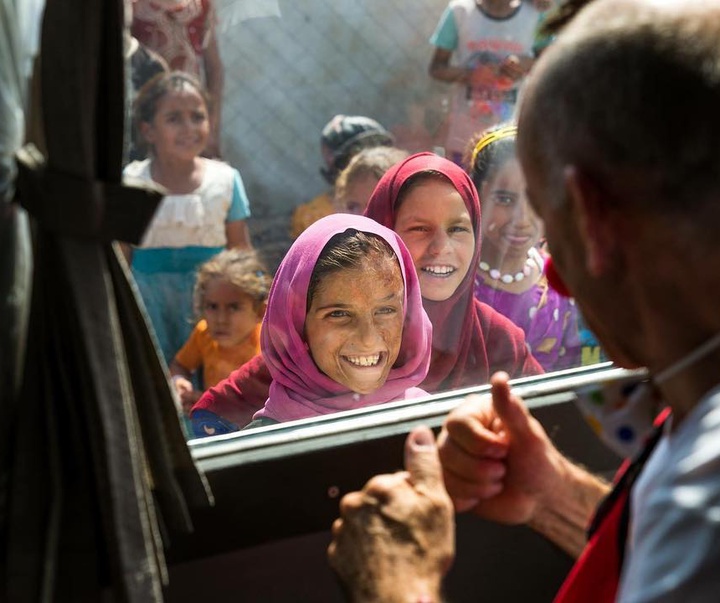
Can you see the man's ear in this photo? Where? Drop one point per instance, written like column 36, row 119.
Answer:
column 593, row 218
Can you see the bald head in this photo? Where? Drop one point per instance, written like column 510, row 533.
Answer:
column 630, row 94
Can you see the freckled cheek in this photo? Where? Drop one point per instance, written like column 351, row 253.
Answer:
column 393, row 340
column 326, row 348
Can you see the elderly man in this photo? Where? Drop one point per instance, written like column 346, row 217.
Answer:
column 619, row 137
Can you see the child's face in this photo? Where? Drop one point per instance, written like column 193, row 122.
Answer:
column 436, row 227
column 180, row 128
column 354, row 325
column 509, row 225
column 231, row 314
column 357, row 194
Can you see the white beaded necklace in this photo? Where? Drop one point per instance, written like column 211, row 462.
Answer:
column 534, row 259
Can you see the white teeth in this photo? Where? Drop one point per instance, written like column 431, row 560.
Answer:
column 439, row 269
column 364, row 360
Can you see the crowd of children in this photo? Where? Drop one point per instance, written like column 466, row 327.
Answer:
column 440, row 284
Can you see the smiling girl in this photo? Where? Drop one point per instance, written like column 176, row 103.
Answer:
column 344, row 327
column 510, row 272
column 432, row 204
column 203, row 213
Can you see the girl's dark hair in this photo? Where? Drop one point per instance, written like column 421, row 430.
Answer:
column 149, row 96
column 491, row 157
column 347, row 250
column 416, row 180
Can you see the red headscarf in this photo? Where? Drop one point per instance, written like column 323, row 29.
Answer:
column 470, row 339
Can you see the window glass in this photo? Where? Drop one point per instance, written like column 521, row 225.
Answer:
column 307, row 105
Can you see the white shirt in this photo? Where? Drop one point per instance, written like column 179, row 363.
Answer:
column 673, row 549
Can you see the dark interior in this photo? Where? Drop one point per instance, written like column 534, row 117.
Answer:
column 265, row 539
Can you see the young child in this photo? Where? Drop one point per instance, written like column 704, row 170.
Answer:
column 229, row 296
column 345, row 326
column 484, row 48
column 510, row 272
column 342, row 137
column 358, row 180
column 432, row 204
column 184, row 33
column 203, row 213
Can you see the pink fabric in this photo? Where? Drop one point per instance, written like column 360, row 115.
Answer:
column 471, row 340
column 299, row 389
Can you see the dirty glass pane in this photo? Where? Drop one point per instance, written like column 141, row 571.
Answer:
column 289, row 68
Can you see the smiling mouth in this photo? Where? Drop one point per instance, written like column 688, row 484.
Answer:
column 518, row 239
column 439, row 271
column 368, row 360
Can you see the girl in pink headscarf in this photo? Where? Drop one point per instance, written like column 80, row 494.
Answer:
column 344, row 326
column 421, row 196
column 433, row 205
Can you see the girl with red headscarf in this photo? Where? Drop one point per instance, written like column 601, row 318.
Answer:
column 434, row 207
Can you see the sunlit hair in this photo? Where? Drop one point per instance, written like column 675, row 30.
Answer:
column 416, row 180
column 488, row 151
column 154, row 90
column 368, row 162
column 346, row 251
column 243, row 269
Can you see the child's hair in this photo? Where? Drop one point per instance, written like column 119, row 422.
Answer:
column 488, row 151
column 346, row 135
column 416, row 180
column 374, row 161
column 347, row 250
column 240, row 268
column 149, row 96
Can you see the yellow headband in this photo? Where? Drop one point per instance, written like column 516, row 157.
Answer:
column 489, row 138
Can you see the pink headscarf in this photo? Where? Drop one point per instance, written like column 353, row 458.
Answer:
column 299, row 389
column 463, row 327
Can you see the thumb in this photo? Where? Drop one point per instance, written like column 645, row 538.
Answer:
column 421, row 458
column 508, row 407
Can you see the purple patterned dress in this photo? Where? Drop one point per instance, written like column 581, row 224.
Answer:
column 550, row 321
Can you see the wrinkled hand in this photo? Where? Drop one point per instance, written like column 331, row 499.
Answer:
column 395, row 538
column 497, row 459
